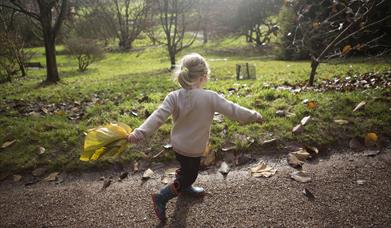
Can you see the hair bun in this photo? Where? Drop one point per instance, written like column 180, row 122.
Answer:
column 184, row 70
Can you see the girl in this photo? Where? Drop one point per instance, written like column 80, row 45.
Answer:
column 192, row 109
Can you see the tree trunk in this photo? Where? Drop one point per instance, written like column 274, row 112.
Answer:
column 205, row 34
column 124, row 44
column 314, row 66
column 50, row 52
column 172, row 58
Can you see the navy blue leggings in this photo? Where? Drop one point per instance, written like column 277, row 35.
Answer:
column 188, row 172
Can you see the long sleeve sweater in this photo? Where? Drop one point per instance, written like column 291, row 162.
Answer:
column 192, row 111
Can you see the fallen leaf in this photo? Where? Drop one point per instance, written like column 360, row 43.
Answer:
column 309, row 194
column 371, row 137
column 218, row 117
column 270, row 142
column 280, row 113
column 44, row 110
column 360, row 105
column 17, row 178
column 294, row 161
column 224, row 168
column 147, row 174
column 167, row 146
column 135, row 166
column 301, row 154
column 52, row 176
column 300, row 177
column 41, row 150
column 371, row 153
column 166, row 180
column 7, row 144
column 311, row 149
column 209, row 157
column 312, row 105
column 305, row 120
column 106, row 184
column 346, row 49
column 228, row 148
column 262, row 170
column 341, row 122
column 298, row 129
column 39, row 172
column 361, row 182
column 134, row 113
column 123, row 175
column 170, row 171
column 305, row 101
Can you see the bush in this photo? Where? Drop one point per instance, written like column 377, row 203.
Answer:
column 86, row 51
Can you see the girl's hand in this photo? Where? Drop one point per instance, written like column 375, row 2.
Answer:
column 132, row 138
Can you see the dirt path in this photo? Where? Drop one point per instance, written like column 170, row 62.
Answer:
column 237, row 201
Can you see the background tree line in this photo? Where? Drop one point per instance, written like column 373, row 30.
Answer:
column 300, row 29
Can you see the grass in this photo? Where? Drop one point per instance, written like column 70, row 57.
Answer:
column 121, row 80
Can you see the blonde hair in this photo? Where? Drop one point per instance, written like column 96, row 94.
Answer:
column 190, row 68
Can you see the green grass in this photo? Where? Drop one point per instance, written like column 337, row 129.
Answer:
column 120, row 80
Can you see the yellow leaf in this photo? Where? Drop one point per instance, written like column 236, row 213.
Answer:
column 371, row 137
column 346, row 49
column 312, row 105
column 316, row 25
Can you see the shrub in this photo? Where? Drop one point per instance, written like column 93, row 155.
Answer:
column 86, row 51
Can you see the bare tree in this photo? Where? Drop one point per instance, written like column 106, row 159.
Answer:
column 338, row 31
column 50, row 15
column 173, row 15
column 131, row 17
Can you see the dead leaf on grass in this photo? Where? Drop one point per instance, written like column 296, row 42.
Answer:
column 7, row 144
column 312, row 105
column 298, row 129
column 305, row 120
column 41, row 150
column 228, row 148
column 341, row 122
column 262, row 170
column 301, row 154
column 360, row 105
column 294, row 161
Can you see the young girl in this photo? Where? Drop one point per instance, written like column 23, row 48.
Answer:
column 192, row 109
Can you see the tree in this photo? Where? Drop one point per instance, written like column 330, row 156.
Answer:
column 173, row 15
column 253, row 20
column 334, row 29
column 50, row 15
column 131, row 19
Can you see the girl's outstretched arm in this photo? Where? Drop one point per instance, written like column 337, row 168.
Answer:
column 235, row 111
column 154, row 121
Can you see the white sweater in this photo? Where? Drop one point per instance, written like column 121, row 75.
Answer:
column 192, row 112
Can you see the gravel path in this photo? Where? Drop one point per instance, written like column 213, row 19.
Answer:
column 236, row 201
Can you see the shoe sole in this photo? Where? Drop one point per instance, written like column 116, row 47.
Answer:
column 162, row 220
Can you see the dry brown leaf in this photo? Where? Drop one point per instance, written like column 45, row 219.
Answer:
column 41, row 150
column 147, row 174
column 224, row 168
column 170, row 171
column 17, row 178
column 7, row 144
column 301, row 154
column 360, row 105
column 294, row 161
column 371, row 137
column 298, row 129
column 346, row 49
column 312, row 105
column 52, row 176
column 341, row 122
column 262, row 170
column 305, row 120
column 300, row 176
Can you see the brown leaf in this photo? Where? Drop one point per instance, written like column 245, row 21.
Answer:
column 311, row 105
column 311, row 149
column 298, row 129
column 301, row 154
column 148, row 174
column 224, row 168
column 17, row 178
column 346, row 49
column 360, row 105
column 305, row 120
column 371, row 137
column 7, row 144
column 300, row 176
column 262, row 170
column 294, row 161
column 52, row 177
